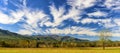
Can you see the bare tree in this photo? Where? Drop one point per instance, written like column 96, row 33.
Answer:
column 104, row 35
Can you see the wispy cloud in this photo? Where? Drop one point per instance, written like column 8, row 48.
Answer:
column 112, row 4
column 59, row 16
column 81, row 4
column 25, row 32
column 91, row 20
column 98, row 14
column 36, row 21
column 117, row 21
column 73, row 30
column 13, row 18
column 32, row 19
column 107, row 23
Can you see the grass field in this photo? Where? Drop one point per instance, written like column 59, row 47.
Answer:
column 59, row 50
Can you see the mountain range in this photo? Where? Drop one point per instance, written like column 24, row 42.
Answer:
column 7, row 35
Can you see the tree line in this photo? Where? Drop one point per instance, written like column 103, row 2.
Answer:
column 58, row 44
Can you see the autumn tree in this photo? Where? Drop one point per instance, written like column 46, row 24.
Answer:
column 104, row 36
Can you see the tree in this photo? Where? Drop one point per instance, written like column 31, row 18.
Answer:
column 104, row 35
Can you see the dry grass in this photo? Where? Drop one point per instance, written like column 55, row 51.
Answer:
column 59, row 50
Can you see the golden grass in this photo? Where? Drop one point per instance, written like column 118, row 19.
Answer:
column 59, row 50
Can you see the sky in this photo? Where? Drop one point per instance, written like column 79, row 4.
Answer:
column 78, row 18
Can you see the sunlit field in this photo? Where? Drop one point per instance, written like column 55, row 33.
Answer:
column 60, row 50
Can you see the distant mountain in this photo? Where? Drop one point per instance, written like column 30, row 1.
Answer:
column 58, row 38
column 6, row 35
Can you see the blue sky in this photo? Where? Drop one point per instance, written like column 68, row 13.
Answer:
column 78, row 18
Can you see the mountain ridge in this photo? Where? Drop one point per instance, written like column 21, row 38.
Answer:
column 5, row 34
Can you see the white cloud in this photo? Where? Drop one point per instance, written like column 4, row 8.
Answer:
column 91, row 20
column 112, row 4
column 59, row 17
column 116, row 31
column 25, row 32
column 88, row 20
column 117, row 21
column 35, row 19
column 4, row 18
column 116, row 34
column 34, row 16
column 57, row 14
column 73, row 30
column 73, row 13
column 97, row 14
column 107, row 23
column 81, row 4
column 32, row 19
column 14, row 17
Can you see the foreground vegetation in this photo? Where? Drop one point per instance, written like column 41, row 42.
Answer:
column 60, row 50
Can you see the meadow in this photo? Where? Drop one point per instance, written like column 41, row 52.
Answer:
column 60, row 50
